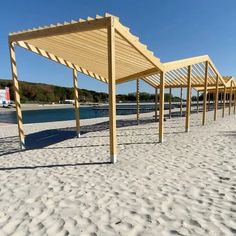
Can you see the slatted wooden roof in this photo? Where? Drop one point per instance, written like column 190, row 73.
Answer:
column 83, row 45
column 176, row 73
column 227, row 79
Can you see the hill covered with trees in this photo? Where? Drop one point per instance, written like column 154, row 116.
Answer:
column 45, row 93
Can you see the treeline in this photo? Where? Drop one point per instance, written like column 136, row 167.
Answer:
column 45, row 93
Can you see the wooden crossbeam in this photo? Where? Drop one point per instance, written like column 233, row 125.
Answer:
column 61, row 29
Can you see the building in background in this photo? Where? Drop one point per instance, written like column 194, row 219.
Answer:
column 5, row 99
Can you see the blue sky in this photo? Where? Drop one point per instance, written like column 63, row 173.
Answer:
column 172, row 29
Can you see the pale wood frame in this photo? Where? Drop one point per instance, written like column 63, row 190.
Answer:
column 188, row 106
column 76, row 104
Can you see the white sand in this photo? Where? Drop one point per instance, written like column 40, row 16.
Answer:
column 185, row 186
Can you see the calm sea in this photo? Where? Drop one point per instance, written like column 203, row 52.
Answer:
column 62, row 114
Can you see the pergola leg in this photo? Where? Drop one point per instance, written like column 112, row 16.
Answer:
column 112, row 92
column 162, row 104
column 205, row 95
column 17, row 95
column 234, row 100
column 170, row 103
column 216, row 97
column 156, row 101
column 76, row 97
column 197, row 101
column 181, row 101
column 188, row 107
column 230, row 97
column 209, row 101
column 224, row 98
column 137, row 100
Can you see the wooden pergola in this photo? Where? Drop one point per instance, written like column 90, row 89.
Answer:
column 100, row 47
column 104, row 49
column 198, row 73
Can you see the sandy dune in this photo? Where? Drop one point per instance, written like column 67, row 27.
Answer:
column 185, row 186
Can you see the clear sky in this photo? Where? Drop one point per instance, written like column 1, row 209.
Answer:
column 172, row 29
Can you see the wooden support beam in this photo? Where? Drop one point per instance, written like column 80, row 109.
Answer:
column 188, row 106
column 197, row 101
column 216, row 97
column 137, row 100
column 76, row 97
column 224, row 100
column 112, row 91
column 170, row 105
column 230, row 97
column 17, row 95
column 208, row 101
column 181, row 101
column 161, row 107
column 205, row 94
column 156, row 103
column 234, row 100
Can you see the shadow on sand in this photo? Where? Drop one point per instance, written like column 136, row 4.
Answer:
column 45, row 138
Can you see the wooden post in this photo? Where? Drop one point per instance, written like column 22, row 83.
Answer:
column 205, row 95
column 188, row 108
column 216, row 97
column 197, row 101
column 17, row 95
column 137, row 100
column 162, row 106
column 230, row 97
column 112, row 91
column 156, row 101
column 234, row 100
column 209, row 101
column 76, row 97
column 224, row 98
column 181, row 101
column 170, row 103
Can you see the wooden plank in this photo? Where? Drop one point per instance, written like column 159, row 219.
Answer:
column 17, row 95
column 205, row 94
column 168, row 66
column 138, row 75
column 170, row 103
column 137, row 101
column 112, row 91
column 216, row 97
column 76, row 97
column 188, row 106
column 156, row 103
column 61, row 29
column 161, row 104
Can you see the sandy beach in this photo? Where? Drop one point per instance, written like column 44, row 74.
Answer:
column 184, row 186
